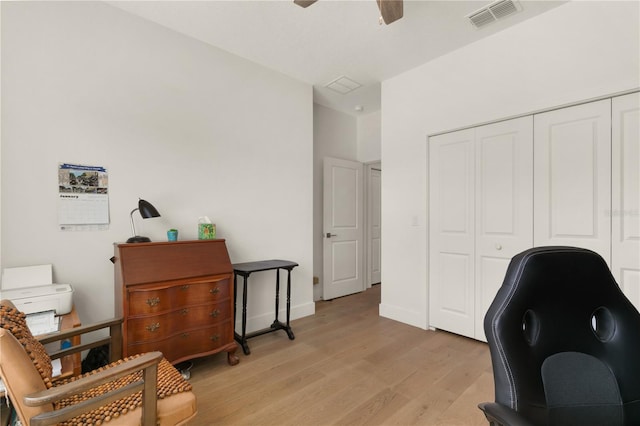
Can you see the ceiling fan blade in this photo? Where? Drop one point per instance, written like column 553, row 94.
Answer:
column 304, row 3
column 391, row 10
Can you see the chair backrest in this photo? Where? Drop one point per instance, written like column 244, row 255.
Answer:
column 564, row 340
column 24, row 366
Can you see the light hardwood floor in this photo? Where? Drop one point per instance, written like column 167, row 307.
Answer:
column 347, row 366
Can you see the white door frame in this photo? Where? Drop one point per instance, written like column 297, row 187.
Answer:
column 369, row 167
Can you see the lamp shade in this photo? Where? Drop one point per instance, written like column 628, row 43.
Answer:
column 147, row 211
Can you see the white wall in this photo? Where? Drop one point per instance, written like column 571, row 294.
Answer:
column 369, row 137
column 190, row 128
column 574, row 52
column 0, row 141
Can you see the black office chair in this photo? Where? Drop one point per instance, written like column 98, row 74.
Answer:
column 564, row 342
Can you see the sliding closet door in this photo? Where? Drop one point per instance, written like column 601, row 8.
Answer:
column 572, row 177
column 625, row 212
column 504, row 205
column 451, row 228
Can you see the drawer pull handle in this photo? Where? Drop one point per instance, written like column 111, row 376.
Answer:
column 185, row 287
column 184, row 311
column 215, row 313
column 184, row 335
column 153, row 301
column 214, row 290
column 153, row 327
column 215, row 337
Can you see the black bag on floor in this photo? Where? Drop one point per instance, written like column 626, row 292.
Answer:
column 96, row 358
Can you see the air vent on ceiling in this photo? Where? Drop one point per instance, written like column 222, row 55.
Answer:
column 343, row 85
column 497, row 10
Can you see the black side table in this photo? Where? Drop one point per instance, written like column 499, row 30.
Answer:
column 244, row 270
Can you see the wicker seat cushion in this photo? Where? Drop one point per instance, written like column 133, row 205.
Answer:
column 170, row 383
column 177, row 410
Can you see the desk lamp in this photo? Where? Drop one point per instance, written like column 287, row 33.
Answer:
column 146, row 211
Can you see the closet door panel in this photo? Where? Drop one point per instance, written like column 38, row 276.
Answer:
column 504, row 203
column 625, row 212
column 572, row 172
column 451, row 225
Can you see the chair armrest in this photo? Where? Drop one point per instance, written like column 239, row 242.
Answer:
column 498, row 414
column 76, row 331
column 114, row 340
column 147, row 362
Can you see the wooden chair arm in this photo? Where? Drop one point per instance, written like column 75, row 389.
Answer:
column 76, row 331
column 114, row 340
column 148, row 363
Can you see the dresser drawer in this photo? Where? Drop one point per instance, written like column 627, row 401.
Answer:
column 161, row 326
column 151, row 299
column 184, row 344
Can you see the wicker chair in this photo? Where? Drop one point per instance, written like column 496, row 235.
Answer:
column 139, row 390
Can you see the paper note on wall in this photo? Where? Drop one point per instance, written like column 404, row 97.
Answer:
column 27, row 276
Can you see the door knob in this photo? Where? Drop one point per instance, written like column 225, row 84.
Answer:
column 329, row 235
column 498, row 246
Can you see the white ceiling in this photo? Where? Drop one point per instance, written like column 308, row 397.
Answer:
column 331, row 38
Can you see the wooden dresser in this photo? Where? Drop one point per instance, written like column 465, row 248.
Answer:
column 175, row 297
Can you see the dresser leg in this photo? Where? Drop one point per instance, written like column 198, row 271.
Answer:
column 232, row 358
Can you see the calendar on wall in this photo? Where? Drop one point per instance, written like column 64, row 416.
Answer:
column 83, row 197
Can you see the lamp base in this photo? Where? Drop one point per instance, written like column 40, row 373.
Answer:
column 138, row 239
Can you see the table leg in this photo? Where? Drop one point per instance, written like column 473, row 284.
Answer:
column 277, row 295
column 288, row 328
column 242, row 339
column 245, row 346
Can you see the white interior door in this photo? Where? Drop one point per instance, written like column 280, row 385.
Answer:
column 451, row 228
column 504, row 205
column 374, row 224
column 572, row 177
column 343, row 252
column 625, row 212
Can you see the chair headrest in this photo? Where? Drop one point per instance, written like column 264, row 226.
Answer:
column 14, row 321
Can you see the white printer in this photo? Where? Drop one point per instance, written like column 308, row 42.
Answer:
column 32, row 290
column 50, row 297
